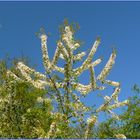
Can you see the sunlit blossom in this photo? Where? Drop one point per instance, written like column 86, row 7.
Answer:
column 120, row 136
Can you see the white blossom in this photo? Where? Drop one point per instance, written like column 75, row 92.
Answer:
column 75, row 46
column 52, row 130
column 67, row 37
column 56, row 56
column 90, row 123
column 103, row 107
column 107, row 67
column 29, row 110
column 45, row 56
column 91, row 120
column 79, row 56
column 11, row 74
column 120, row 136
column 59, row 69
column 63, row 51
column 119, row 104
column 29, row 79
column 92, row 78
column 115, row 94
column 107, row 98
column 112, row 83
column 28, row 70
column 40, row 99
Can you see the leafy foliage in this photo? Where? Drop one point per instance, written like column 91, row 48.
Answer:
column 131, row 117
column 26, row 112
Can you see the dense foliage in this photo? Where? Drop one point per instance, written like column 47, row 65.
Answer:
column 131, row 117
column 25, row 110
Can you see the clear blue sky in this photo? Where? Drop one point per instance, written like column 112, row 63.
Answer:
column 117, row 23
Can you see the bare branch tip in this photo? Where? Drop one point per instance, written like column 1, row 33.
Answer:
column 114, row 50
column 98, row 39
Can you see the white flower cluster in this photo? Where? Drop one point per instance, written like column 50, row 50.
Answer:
column 40, row 132
column 52, row 130
column 92, row 77
column 112, row 83
column 26, row 71
column 47, row 64
column 79, row 56
column 67, row 37
column 116, row 105
column 91, row 120
column 12, row 75
column 78, row 108
column 43, row 100
column 40, row 100
column 90, row 123
column 120, row 136
column 64, row 54
column 108, row 67
column 45, row 56
column 22, row 66
column 85, row 89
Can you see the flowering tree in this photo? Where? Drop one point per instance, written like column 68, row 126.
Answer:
column 64, row 96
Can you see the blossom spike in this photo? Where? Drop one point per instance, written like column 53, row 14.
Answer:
column 107, row 67
column 115, row 94
column 24, row 67
column 79, row 56
column 11, row 74
column 120, row 136
column 63, row 50
column 90, row 123
column 46, row 60
column 56, row 56
column 92, row 78
column 59, row 69
column 112, row 83
column 52, row 131
column 116, row 105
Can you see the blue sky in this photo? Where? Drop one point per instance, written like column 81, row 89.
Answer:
column 117, row 23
